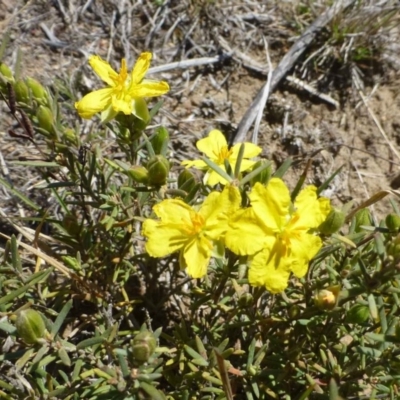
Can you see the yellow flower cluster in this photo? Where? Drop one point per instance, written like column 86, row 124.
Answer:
column 278, row 236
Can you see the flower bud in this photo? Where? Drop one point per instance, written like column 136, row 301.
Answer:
column 6, row 72
column 393, row 247
column 6, row 76
column 326, row 299
column 362, row 218
column 186, row 180
column 70, row 136
column 393, row 222
column 139, row 174
column 358, row 314
column 38, row 91
column 158, row 167
column 143, row 345
column 264, row 176
column 160, row 141
column 333, row 222
column 21, row 92
column 45, row 119
column 245, row 300
column 30, row 326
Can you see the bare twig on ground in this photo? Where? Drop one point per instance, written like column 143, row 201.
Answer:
column 288, row 61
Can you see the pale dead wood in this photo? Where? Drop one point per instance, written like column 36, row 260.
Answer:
column 288, row 61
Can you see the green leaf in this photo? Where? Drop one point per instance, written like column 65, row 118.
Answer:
column 60, row 318
column 90, row 342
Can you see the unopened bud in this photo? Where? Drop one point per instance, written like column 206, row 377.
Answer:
column 160, row 141
column 393, row 247
column 30, row 326
column 246, row 300
column 186, row 180
column 334, row 221
column 158, row 167
column 358, row 314
column 139, row 174
column 6, row 76
column 45, row 119
column 265, row 175
column 393, row 222
column 326, row 299
column 21, row 92
column 38, row 91
column 70, row 136
column 143, row 345
column 6, row 72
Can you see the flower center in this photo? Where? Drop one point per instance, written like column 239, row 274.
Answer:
column 121, row 78
column 223, row 154
column 197, row 224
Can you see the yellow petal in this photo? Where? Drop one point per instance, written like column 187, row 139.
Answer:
column 199, row 164
column 163, row 239
column 212, row 145
column 250, row 150
column 303, row 248
column 174, row 211
column 140, row 68
column 121, row 104
column 103, row 70
column 310, row 210
column 94, row 102
column 245, row 235
column 197, row 255
column 149, row 89
column 246, row 165
column 213, row 178
column 271, row 203
column 269, row 270
column 217, row 209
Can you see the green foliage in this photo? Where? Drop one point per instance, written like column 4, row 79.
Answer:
column 118, row 324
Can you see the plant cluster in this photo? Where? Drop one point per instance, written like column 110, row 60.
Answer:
column 162, row 287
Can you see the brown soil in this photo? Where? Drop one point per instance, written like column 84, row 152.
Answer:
column 296, row 123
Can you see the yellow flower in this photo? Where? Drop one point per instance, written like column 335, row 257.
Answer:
column 216, row 149
column 125, row 92
column 276, row 235
column 193, row 233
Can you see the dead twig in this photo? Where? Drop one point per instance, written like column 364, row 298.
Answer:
column 288, row 62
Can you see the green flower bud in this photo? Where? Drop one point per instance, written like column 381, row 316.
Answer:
column 264, row 176
column 393, row 222
column 21, row 92
column 45, row 119
column 143, row 345
column 186, row 180
column 30, row 326
column 6, row 76
column 38, row 91
column 358, row 314
column 393, row 247
column 245, row 300
column 160, row 141
column 6, row 72
column 294, row 311
column 362, row 218
column 326, row 299
column 70, row 136
column 334, row 221
column 139, row 174
column 158, row 167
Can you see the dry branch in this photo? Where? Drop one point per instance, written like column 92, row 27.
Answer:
column 287, row 62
